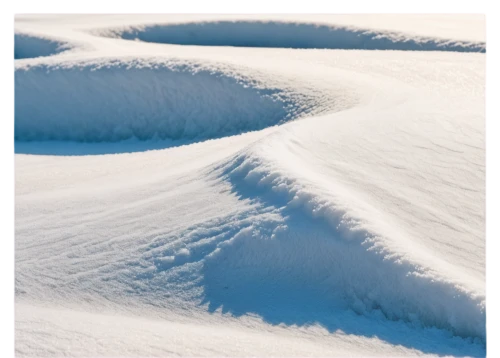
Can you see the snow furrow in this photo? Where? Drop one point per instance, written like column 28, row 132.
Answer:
column 110, row 101
column 286, row 35
column 32, row 46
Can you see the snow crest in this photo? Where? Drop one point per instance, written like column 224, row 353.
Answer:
column 319, row 251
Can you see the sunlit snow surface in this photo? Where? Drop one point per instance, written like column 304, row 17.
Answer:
column 250, row 185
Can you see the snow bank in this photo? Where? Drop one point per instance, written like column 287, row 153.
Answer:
column 287, row 35
column 317, row 256
column 118, row 100
column 30, row 46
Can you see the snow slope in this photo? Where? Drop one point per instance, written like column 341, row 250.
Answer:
column 261, row 200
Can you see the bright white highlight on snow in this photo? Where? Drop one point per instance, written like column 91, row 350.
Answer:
column 250, row 185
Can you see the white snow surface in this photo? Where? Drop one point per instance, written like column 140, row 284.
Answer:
column 247, row 185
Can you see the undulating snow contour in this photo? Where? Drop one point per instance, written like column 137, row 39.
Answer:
column 250, row 185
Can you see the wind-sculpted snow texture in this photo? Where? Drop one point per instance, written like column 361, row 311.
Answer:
column 229, row 199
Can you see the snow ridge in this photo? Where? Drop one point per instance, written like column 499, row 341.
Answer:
column 329, row 253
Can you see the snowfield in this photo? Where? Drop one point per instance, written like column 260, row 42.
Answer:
column 247, row 185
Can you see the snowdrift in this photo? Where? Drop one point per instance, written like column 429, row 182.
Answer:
column 314, row 261
column 120, row 100
column 286, row 35
column 360, row 231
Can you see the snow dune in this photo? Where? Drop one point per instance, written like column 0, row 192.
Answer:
column 303, row 202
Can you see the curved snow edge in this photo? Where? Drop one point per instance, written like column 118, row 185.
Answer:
column 358, row 270
column 116, row 100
